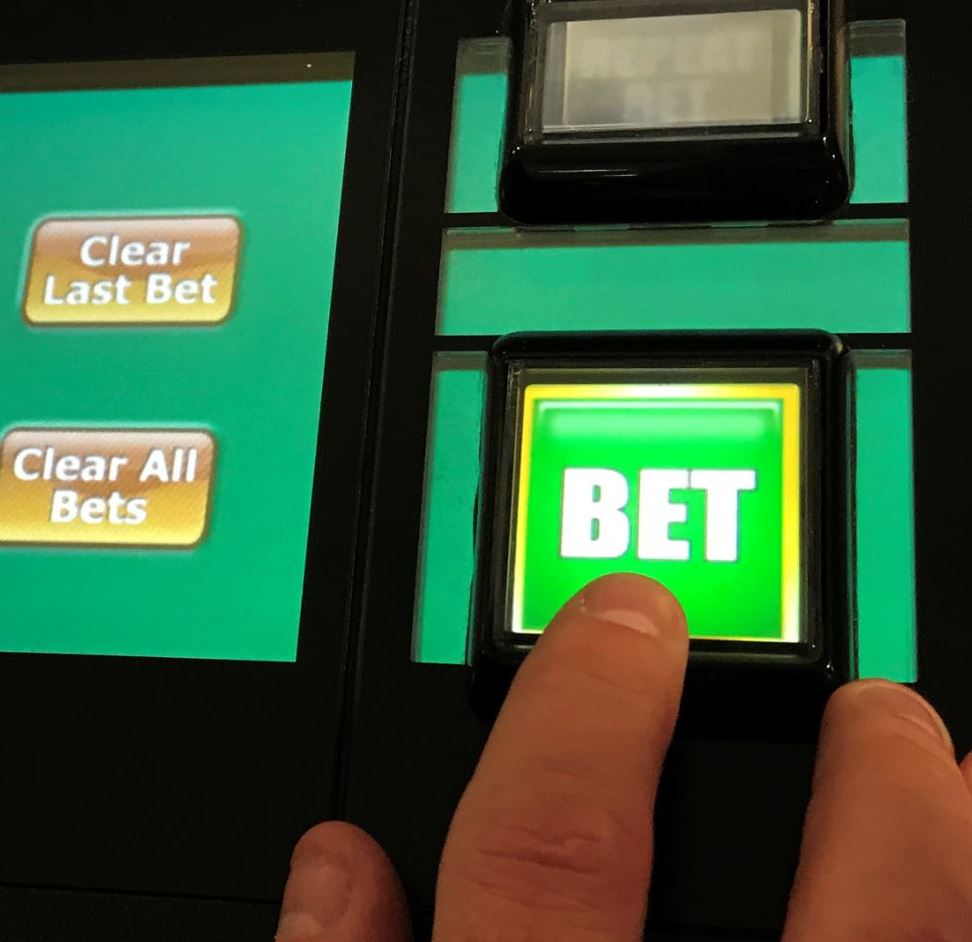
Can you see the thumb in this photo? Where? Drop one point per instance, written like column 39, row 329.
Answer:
column 342, row 888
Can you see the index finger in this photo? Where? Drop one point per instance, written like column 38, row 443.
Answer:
column 552, row 838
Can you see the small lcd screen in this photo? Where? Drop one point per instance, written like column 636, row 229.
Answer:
column 697, row 484
column 668, row 72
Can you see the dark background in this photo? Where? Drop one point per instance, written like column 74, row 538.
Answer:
column 158, row 800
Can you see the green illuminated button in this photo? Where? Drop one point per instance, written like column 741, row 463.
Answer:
column 715, row 463
column 696, row 484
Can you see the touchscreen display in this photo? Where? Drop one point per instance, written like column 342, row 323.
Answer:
column 167, row 252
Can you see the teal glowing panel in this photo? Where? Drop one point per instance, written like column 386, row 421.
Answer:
column 479, row 111
column 880, row 129
column 452, row 472
column 885, row 525
column 845, row 278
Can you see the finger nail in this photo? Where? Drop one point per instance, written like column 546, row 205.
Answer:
column 908, row 704
column 633, row 602
column 321, row 892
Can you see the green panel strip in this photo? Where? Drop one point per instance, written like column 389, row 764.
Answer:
column 878, row 92
column 452, row 476
column 479, row 112
column 885, row 541
column 880, row 129
column 850, row 278
column 885, row 526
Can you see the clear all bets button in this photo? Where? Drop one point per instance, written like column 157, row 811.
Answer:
column 105, row 487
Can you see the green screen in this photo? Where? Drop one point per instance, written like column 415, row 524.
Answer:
column 271, row 156
column 684, row 484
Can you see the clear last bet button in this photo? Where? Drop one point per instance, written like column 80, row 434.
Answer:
column 153, row 270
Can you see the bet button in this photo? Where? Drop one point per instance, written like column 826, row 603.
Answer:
column 713, row 463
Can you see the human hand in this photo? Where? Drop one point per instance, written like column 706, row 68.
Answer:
column 553, row 837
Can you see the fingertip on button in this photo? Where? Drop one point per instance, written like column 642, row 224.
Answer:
column 635, row 602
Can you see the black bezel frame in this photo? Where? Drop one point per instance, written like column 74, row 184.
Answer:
column 544, row 14
column 826, row 653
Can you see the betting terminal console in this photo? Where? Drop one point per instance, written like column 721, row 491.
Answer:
column 340, row 345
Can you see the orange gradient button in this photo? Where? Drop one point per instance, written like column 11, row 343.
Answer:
column 154, row 270
column 105, row 487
